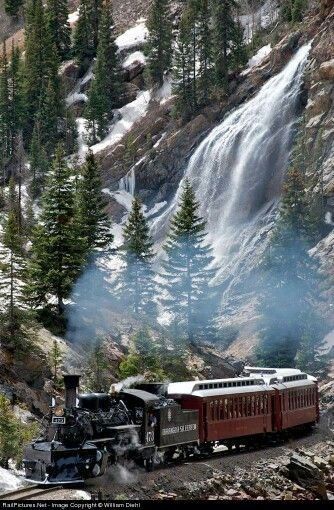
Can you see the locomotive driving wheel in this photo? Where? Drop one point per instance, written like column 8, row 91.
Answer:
column 149, row 463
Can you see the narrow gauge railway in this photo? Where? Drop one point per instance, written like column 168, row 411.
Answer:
column 168, row 421
column 27, row 493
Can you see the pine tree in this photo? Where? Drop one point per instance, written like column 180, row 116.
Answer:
column 97, row 367
column 104, row 94
column 193, row 60
column 38, row 58
column 159, row 46
column 12, row 7
column 183, row 68
column 95, row 9
column 227, row 41
column 60, row 30
column 86, row 34
column 56, row 253
column 94, row 224
column 5, row 114
column 56, row 358
column 16, row 95
column 187, row 273
column 39, row 163
column 12, row 277
column 290, row 282
column 82, row 46
column 136, row 281
column 205, row 53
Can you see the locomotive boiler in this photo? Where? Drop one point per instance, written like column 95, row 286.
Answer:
column 95, row 430
column 166, row 421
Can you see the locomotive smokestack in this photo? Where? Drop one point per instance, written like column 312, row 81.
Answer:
column 71, row 383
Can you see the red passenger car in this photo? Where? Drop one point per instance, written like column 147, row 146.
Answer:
column 235, row 411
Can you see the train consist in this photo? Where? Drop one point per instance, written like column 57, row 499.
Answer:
column 167, row 421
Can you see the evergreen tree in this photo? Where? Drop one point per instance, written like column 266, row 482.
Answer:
column 183, row 68
column 293, row 10
column 227, row 41
column 12, row 7
column 94, row 224
column 193, row 61
column 136, row 281
column 97, row 368
column 39, row 163
column 12, row 277
column 56, row 253
column 159, row 46
column 205, row 53
column 86, row 34
column 16, row 95
column 60, row 30
column 82, row 46
column 39, row 58
column 290, row 282
column 56, row 358
column 5, row 114
column 186, row 271
column 104, row 94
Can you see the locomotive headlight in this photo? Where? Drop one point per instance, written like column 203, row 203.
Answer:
column 58, row 411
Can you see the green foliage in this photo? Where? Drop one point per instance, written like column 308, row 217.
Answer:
column 151, row 359
column 186, row 273
column 105, row 91
column 136, row 281
column 55, row 359
column 209, row 45
column 97, row 368
column 86, row 32
column 5, row 114
column 93, row 222
column 14, row 434
column 12, row 7
column 14, row 323
column 229, row 51
column 39, row 162
column 290, row 282
column 60, row 30
column 293, row 10
column 56, row 253
column 159, row 45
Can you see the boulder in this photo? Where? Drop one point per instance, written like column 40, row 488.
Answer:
column 133, row 70
column 326, row 70
column 307, row 474
column 69, row 73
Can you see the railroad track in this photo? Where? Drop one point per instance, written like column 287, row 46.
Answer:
column 27, row 493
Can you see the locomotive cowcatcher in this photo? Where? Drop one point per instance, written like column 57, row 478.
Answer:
column 162, row 421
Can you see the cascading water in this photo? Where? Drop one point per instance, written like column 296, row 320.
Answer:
column 238, row 170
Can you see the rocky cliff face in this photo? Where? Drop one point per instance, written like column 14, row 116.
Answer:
column 319, row 134
column 163, row 147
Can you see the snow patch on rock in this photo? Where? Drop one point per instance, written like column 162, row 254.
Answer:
column 258, row 58
column 135, row 36
column 136, row 56
column 9, row 481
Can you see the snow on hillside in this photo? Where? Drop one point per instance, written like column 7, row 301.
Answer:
column 135, row 36
column 9, row 481
column 73, row 17
column 136, row 56
column 130, row 113
column 258, row 58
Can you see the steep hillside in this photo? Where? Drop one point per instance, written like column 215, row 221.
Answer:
column 161, row 149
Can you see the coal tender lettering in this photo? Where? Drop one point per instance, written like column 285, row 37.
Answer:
column 180, row 428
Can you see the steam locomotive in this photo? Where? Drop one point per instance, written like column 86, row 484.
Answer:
column 156, row 420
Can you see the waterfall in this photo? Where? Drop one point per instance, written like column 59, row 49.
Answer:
column 238, row 170
column 128, row 182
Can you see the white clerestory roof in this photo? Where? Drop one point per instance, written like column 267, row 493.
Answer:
column 257, row 378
